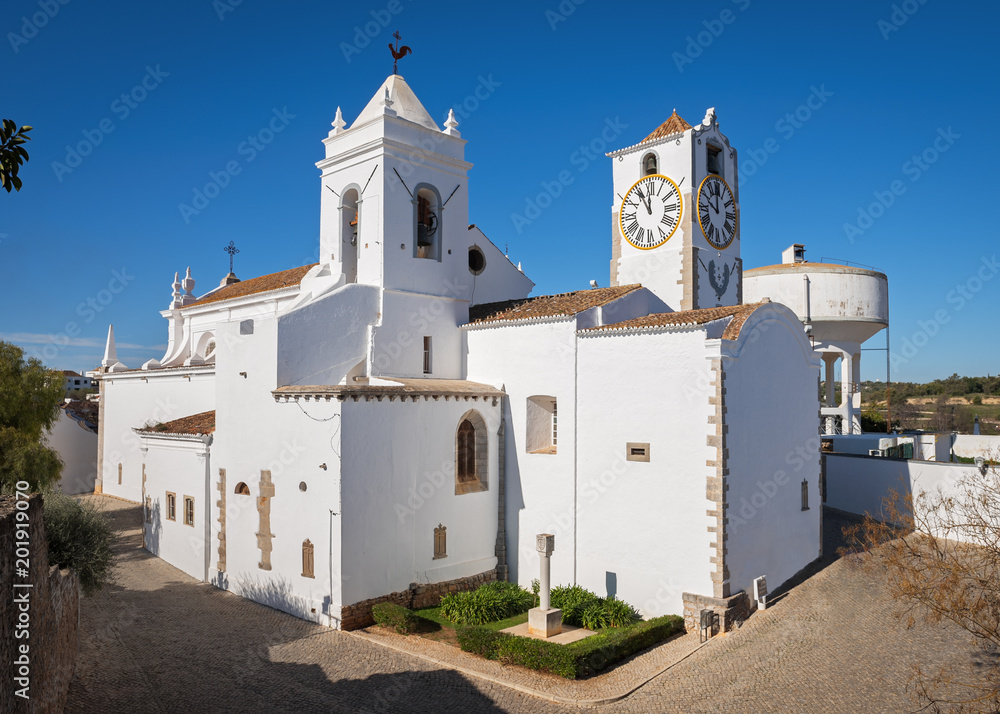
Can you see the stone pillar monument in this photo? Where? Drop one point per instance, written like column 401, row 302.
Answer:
column 543, row 620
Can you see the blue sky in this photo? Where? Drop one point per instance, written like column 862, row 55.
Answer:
column 161, row 96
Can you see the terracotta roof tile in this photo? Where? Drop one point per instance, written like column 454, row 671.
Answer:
column 68, row 373
column 547, row 305
column 203, row 423
column 738, row 313
column 673, row 125
column 264, row 283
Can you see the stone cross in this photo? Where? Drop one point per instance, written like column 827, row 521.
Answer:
column 543, row 621
column 545, row 544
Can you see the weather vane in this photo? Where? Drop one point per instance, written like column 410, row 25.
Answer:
column 398, row 52
column 232, row 250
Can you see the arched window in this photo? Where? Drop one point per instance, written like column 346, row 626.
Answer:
column 649, row 165
column 471, row 457
column 427, row 242
column 466, row 452
column 350, row 233
column 242, row 489
column 206, row 347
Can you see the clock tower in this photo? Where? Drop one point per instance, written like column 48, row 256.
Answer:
column 676, row 215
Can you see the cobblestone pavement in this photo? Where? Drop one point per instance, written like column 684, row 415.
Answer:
column 158, row 641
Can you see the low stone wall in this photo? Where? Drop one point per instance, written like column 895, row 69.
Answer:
column 41, row 663
column 730, row 610
column 358, row 615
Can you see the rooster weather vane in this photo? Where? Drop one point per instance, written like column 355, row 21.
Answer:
column 398, row 52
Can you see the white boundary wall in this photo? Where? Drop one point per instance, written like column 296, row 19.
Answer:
column 858, row 484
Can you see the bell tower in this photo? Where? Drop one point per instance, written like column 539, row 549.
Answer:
column 394, row 207
column 687, row 254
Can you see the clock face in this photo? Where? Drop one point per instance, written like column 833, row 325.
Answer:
column 717, row 211
column 650, row 212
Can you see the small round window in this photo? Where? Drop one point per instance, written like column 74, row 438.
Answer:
column 477, row 261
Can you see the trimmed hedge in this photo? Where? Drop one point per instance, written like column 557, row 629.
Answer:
column 488, row 603
column 578, row 659
column 401, row 619
column 480, row 640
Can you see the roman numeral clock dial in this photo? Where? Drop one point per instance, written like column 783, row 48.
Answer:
column 650, row 212
column 717, row 211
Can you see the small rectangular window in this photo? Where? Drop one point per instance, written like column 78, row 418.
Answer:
column 555, row 423
column 246, row 327
column 805, row 495
column 542, row 425
column 427, row 355
column 713, row 158
column 171, row 506
column 188, row 511
column 635, row 451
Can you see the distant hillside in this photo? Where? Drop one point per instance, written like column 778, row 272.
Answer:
column 942, row 405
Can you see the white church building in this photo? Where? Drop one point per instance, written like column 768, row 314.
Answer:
column 401, row 419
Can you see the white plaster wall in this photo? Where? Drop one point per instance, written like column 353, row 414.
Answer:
column 971, row 446
column 527, row 360
column 860, row 484
column 77, row 448
column 253, row 433
column 773, row 442
column 500, row 280
column 319, row 342
column 180, row 466
column 399, row 484
column 642, row 527
column 134, row 399
column 398, row 341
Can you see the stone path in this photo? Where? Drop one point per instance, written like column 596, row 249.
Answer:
column 158, row 641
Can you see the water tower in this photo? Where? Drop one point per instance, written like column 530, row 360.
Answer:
column 841, row 306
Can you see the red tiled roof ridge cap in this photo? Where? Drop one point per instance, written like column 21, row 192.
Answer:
column 252, row 286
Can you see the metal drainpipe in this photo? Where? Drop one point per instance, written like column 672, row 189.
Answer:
column 576, row 448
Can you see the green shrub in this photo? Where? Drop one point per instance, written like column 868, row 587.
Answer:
column 574, row 660
column 401, row 619
column 480, row 640
column 597, row 652
column 80, row 537
column 488, row 603
column 538, row 654
column 573, row 600
column 977, row 400
column 608, row 612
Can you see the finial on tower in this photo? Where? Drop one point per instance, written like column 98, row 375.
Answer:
column 110, row 354
column 175, row 296
column 338, row 123
column 451, row 125
column 232, row 249
column 398, row 52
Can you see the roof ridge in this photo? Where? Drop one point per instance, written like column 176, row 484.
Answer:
column 674, row 124
column 251, row 286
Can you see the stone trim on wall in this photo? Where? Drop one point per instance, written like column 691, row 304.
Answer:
column 264, row 534
column 717, row 485
column 616, row 247
column 731, row 610
column 358, row 615
column 221, row 504
column 481, row 481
